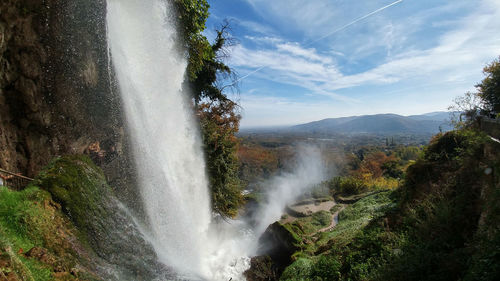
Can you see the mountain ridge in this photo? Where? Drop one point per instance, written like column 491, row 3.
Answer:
column 429, row 123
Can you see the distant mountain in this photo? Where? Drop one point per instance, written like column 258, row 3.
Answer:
column 436, row 116
column 379, row 124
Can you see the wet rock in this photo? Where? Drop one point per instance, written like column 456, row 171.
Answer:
column 262, row 268
column 279, row 243
column 80, row 188
column 54, row 84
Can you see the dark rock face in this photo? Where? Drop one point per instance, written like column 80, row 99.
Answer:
column 261, row 268
column 56, row 91
column 57, row 98
column 24, row 114
column 279, row 244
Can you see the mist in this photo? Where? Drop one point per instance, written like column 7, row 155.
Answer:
column 308, row 170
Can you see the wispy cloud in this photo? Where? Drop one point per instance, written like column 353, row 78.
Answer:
column 254, row 26
column 456, row 54
column 310, row 14
column 310, row 54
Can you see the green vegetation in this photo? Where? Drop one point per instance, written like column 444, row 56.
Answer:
column 441, row 205
column 66, row 225
column 192, row 15
column 311, row 224
column 219, row 124
column 489, row 88
column 323, row 259
column 411, row 212
column 23, row 225
column 441, row 224
column 218, row 115
column 371, row 169
column 484, row 102
column 79, row 186
column 37, row 242
column 256, row 163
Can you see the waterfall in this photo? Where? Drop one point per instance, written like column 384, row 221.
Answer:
column 168, row 155
column 166, row 144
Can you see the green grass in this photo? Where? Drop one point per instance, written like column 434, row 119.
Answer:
column 311, row 224
column 23, row 224
column 22, row 216
column 442, row 224
column 356, row 216
column 316, row 261
column 31, row 218
column 336, row 208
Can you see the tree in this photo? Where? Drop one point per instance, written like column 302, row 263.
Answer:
column 219, row 123
column 192, row 15
column 466, row 109
column 207, row 83
column 219, row 119
column 489, row 88
column 484, row 102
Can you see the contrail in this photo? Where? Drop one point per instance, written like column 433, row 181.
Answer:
column 248, row 74
column 353, row 22
column 330, row 34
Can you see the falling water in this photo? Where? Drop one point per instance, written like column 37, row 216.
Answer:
column 168, row 154
column 165, row 140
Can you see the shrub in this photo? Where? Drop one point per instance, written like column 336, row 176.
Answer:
column 327, row 268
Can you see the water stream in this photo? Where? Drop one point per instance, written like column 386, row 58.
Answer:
column 168, row 154
column 166, row 144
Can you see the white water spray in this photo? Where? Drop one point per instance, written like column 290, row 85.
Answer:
column 166, row 144
column 167, row 147
column 284, row 189
column 168, row 154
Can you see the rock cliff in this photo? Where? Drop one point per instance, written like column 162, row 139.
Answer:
column 56, row 91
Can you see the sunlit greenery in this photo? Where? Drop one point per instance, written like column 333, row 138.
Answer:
column 426, row 230
column 218, row 115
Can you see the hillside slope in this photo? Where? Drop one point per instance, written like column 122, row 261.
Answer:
column 443, row 223
column 379, row 124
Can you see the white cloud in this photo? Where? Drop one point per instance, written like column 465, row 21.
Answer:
column 309, row 54
column 458, row 53
column 296, row 13
column 315, row 18
column 255, row 26
column 264, row 39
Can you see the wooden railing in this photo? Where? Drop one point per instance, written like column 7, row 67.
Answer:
column 13, row 180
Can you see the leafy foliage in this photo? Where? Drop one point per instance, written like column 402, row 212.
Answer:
column 219, row 118
column 341, row 254
column 441, row 205
column 489, row 88
column 486, row 101
column 326, row 268
column 442, row 224
column 372, row 170
column 219, row 123
column 192, row 15
column 256, row 163
column 207, row 81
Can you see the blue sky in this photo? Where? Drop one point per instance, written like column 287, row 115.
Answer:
column 413, row 57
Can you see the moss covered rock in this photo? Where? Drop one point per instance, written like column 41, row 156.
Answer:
column 262, row 268
column 81, row 189
column 280, row 242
